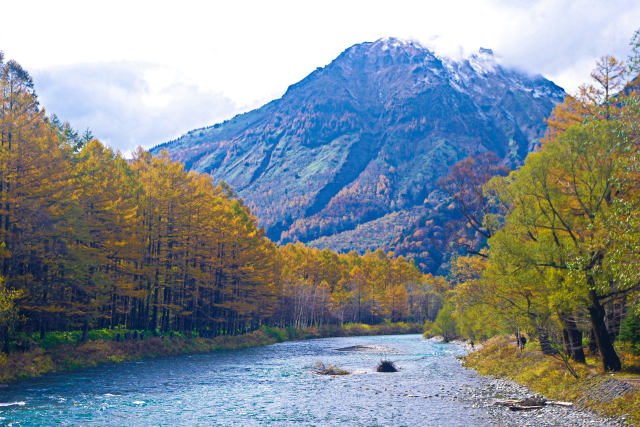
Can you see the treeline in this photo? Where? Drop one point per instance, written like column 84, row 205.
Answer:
column 91, row 240
column 324, row 287
column 563, row 231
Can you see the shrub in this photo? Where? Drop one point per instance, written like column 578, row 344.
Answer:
column 107, row 334
column 428, row 324
column 386, row 366
column 52, row 339
column 291, row 332
column 278, row 333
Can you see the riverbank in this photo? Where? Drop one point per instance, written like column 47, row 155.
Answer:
column 66, row 356
column 602, row 394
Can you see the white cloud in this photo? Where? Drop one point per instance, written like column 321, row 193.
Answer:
column 186, row 64
column 129, row 104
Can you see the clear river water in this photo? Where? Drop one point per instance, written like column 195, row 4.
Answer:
column 275, row 384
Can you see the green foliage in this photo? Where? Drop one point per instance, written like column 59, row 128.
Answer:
column 322, row 369
column 630, row 329
column 56, row 338
column 112, row 334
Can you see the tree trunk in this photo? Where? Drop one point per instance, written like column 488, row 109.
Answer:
column 593, row 347
column 610, row 360
column 154, row 316
column 85, row 330
column 566, row 344
column 545, row 343
column 43, row 330
column 573, row 339
column 615, row 312
column 6, row 348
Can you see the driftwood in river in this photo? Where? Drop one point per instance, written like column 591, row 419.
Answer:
column 530, row 403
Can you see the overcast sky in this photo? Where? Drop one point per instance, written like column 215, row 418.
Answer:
column 143, row 72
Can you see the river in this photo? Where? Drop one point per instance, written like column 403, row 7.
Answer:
column 276, row 384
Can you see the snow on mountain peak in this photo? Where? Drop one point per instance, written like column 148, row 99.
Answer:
column 388, row 43
column 483, row 62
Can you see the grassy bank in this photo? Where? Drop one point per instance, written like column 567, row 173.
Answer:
column 604, row 394
column 61, row 351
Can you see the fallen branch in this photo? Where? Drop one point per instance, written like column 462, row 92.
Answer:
column 524, row 408
column 559, row 403
column 535, row 402
column 507, row 402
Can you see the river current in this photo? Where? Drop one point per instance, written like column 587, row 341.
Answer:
column 275, row 384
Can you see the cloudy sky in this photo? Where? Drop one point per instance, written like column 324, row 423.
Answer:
column 143, row 72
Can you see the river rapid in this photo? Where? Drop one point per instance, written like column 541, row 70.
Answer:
column 276, row 384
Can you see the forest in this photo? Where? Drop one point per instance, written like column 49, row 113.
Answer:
column 92, row 240
column 557, row 246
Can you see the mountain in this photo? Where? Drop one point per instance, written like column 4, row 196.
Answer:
column 363, row 140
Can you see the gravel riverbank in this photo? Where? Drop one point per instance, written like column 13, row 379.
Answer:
column 495, row 389
column 509, row 372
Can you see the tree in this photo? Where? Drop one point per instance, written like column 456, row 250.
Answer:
column 105, row 208
column 34, row 183
column 630, row 329
column 634, row 58
column 593, row 101
column 445, row 324
column 571, row 111
column 9, row 316
column 464, row 184
column 609, row 75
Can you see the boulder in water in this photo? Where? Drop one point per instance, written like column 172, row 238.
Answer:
column 322, row 369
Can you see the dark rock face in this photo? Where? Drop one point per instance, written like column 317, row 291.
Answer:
column 368, row 135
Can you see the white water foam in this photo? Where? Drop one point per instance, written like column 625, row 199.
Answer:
column 2, row 404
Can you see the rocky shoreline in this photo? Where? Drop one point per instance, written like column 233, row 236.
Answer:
column 510, row 374
column 495, row 389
